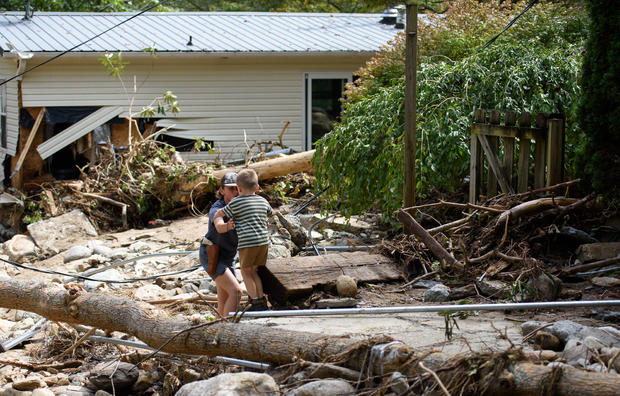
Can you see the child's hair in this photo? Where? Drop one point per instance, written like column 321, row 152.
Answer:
column 247, row 179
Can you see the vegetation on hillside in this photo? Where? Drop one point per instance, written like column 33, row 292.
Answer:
column 599, row 109
column 533, row 67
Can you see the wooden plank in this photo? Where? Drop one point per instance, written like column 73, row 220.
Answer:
column 31, row 135
column 409, row 171
column 539, row 161
column 555, row 148
column 494, row 165
column 509, row 157
column 295, row 277
column 524, row 165
column 474, row 169
column 505, row 131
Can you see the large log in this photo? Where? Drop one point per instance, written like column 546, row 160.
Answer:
column 294, row 163
column 246, row 341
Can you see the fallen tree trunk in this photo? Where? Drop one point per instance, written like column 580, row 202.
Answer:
column 260, row 343
column 268, row 169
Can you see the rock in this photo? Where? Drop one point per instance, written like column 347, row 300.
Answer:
column 346, row 286
column 61, row 232
column 398, row 383
column 11, row 210
column 42, row 392
column 425, row 284
column 189, row 375
column 72, row 390
column 327, row 387
column 544, row 287
column 122, row 374
column 8, row 390
column 29, row 383
column 576, row 355
column 547, row 340
column 437, row 293
column 608, row 316
column 232, row 384
column 102, row 250
column 462, row 292
column 608, row 353
column 565, row 330
column 577, row 235
column 20, row 246
column 316, row 236
column 110, row 274
column 292, row 223
column 531, row 325
column 598, row 251
column 101, row 392
column 277, row 251
column 146, row 378
column 152, row 292
column 605, row 281
column 77, row 252
column 118, row 254
column 597, row 367
column 493, row 288
column 6, row 233
column 336, row 303
column 593, row 343
column 139, row 247
column 208, row 285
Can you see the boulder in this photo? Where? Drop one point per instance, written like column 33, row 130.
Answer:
column 20, row 246
column 292, row 223
column 598, row 251
column 493, row 288
column 326, row 387
column 60, row 233
column 232, row 384
column 122, row 374
column 544, row 287
column 346, row 286
column 437, row 293
column 76, row 252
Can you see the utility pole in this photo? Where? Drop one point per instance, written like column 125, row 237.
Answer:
column 411, row 30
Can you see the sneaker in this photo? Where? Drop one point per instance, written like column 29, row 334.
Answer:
column 258, row 304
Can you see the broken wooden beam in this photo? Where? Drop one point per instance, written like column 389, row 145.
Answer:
column 295, row 277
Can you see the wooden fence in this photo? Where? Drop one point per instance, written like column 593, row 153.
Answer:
column 486, row 131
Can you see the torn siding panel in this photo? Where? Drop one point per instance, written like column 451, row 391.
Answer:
column 2, row 157
column 8, row 69
column 77, row 130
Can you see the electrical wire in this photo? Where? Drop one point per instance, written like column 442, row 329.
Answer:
column 13, row 263
column 530, row 5
column 82, row 43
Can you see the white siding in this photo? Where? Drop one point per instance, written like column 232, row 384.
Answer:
column 7, row 70
column 230, row 95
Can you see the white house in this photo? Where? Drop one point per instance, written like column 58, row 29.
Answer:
column 237, row 76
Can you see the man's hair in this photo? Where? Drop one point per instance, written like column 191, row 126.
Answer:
column 247, row 179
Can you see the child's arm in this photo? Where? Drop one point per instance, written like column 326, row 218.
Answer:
column 220, row 225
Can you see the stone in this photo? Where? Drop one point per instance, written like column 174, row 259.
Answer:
column 593, row 344
column 326, row 387
column 72, row 390
column 425, row 284
column 102, row 250
column 292, row 223
column 42, row 392
column 152, row 292
column 576, row 355
column 19, row 247
column 598, row 251
column 110, row 274
column 8, row 390
column 189, row 375
column 565, row 330
column 101, row 392
column 547, row 340
column 437, row 293
column 11, row 210
column 232, row 384
column 139, row 247
column 544, row 287
column 463, row 292
column 605, row 281
column 530, row 325
column 278, row 251
column 346, row 286
column 337, row 303
column 146, row 378
column 29, row 383
column 398, row 383
column 577, row 235
column 493, row 288
column 76, row 252
column 122, row 374
column 60, row 233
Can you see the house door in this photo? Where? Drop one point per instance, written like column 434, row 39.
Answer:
column 322, row 104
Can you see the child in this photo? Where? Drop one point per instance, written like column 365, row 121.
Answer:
column 249, row 212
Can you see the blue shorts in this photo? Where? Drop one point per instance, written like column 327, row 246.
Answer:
column 221, row 266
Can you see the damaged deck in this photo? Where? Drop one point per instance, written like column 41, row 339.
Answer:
column 295, row 277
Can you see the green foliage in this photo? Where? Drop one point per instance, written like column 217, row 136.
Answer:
column 113, row 63
column 363, row 155
column 81, row 5
column 33, row 212
column 599, row 109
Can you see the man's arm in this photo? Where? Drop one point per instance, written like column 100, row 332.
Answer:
column 220, row 225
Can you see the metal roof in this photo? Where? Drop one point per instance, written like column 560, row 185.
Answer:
column 209, row 32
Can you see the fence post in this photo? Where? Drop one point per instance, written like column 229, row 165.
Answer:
column 475, row 160
column 540, row 150
column 494, row 146
column 555, row 148
column 525, row 121
column 509, row 147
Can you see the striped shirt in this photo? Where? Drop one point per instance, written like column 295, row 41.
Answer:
column 250, row 214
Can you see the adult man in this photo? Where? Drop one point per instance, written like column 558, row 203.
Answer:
column 218, row 249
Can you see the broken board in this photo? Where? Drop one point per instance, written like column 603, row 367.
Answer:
column 295, row 277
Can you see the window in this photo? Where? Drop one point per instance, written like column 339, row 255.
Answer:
column 3, row 131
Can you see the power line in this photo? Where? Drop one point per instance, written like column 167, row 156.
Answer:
column 82, row 43
column 530, row 5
